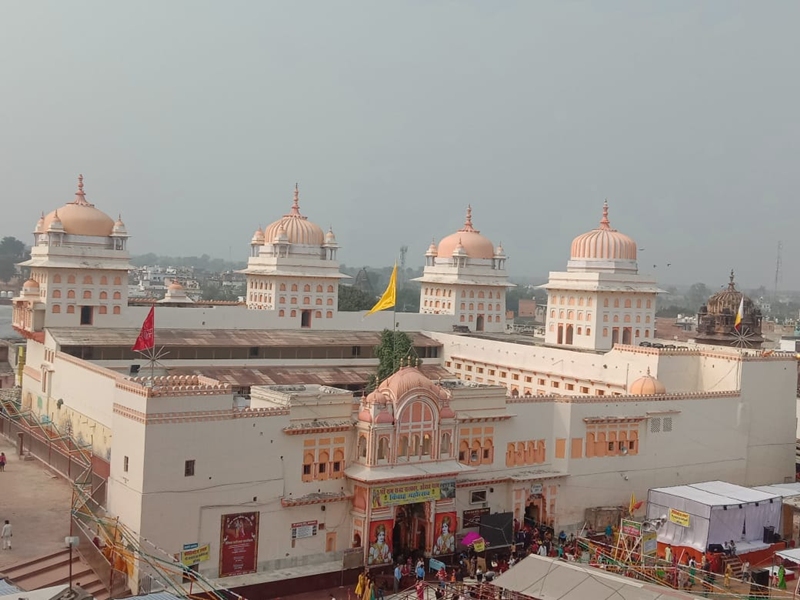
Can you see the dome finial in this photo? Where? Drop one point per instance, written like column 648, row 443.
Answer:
column 468, row 221
column 648, row 371
column 604, row 222
column 731, row 284
column 80, row 195
column 296, row 201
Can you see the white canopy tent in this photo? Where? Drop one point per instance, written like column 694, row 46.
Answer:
column 546, row 578
column 713, row 512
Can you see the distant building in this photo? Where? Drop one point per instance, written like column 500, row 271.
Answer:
column 716, row 320
column 527, row 308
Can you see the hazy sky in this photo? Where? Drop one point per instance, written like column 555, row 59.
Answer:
column 194, row 119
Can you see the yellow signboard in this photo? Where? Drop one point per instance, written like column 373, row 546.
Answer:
column 679, row 517
column 479, row 545
column 193, row 554
column 406, row 494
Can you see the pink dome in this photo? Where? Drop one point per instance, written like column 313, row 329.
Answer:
column 30, row 284
column 447, row 413
column 384, row 416
column 408, row 378
column 603, row 243
column 298, row 228
column 365, row 416
column 79, row 217
column 647, row 385
column 475, row 245
column 258, row 237
column 175, row 287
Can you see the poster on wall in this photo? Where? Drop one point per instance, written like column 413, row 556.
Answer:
column 380, row 542
column 445, row 534
column 238, row 554
column 406, row 494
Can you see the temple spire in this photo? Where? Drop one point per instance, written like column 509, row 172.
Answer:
column 731, row 284
column 296, row 201
column 468, row 221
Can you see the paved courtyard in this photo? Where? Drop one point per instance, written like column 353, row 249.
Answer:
column 37, row 503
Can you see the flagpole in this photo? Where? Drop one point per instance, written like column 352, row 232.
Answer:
column 394, row 325
column 153, row 349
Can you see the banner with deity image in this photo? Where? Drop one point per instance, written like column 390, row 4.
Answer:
column 445, row 543
column 380, row 542
column 238, row 552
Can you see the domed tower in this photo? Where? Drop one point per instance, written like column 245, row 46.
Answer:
column 293, row 269
column 729, row 318
column 80, row 262
column 601, row 299
column 465, row 276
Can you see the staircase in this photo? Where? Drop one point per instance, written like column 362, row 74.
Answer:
column 735, row 563
column 53, row 569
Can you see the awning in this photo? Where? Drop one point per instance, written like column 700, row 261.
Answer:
column 792, row 554
column 445, row 468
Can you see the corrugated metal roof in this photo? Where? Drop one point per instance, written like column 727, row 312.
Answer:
column 250, row 376
column 8, row 589
column 156, row 596
column 229, row 337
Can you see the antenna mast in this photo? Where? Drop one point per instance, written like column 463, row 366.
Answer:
column 778, row 270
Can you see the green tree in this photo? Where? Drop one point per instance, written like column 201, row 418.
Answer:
column 12, row 251
column 393, row 347
column 408, row 299
column 352, row 299
column 696, row 296
column 8, row 268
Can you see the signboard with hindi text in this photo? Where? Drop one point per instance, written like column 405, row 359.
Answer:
column 679, row 517
column 194, row 554
column 633, row 528
column 407, row 494
column 649, row 543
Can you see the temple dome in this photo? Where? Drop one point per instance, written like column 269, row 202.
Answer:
column 406, row 379
column 79, row 217
column 728, row 300
column 258, row 238
column 298, row 229
column 603, row 243
column 470, row 239
column 646, row 385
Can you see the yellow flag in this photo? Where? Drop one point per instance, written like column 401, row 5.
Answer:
column 389, row 296
column 632, row 506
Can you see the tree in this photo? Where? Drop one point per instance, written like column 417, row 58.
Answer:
column 393, row 347
column 408, row 299
column 11, row 246
column 696, row 296
column 7, row 268
column 352, row 299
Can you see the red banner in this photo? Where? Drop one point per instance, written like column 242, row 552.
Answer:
column 147, row 336
column 445, row 532
column 238, row 548
column 380, row 542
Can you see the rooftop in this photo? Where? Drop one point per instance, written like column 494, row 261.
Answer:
column 228, row 337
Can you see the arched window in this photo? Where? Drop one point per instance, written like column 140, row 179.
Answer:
column 294, row 287
column 616, row 302
column 117, row 310
column 462, row 318
column 281, row 312
column 330, row 289
column 383, row 448
column 362, row 447
column 605, row 302
column 56, row 293
column 588, row 331
column 319, row 288
column 308, row 466
column 426, row 444
column 616, row 319
column 580, row 330
column 306, row 288
column 463, row 452
column 87, row 294
column 570, row 314
column 293, row 313
column 282, row 300
column 318, row 302
column 56, row 278
column 402, row 450
column 463, row 306
column 639, row 303
column 87, row 280
column 487, row 452
column 102, row 310
column 117, row 296
column 471, row 306
column 337, row 470
column 306, row 300
column 445, row 447
column 103, row 280
column 282, row 287
column 293, row 300
column 605, row 331
column 480, row 294
column 638, row 318
column 329, row 314
column 329, row 302
column 71, row 279
column 317, row 314
column 627, row 302
column 552, row 313
column 647, row 333
column 103, row 295
column 70, row 293
column 117, row 280
column 323, row 465
column 627, row 319
column 56, row 308
column 497, row 307
column 70, row 309
column 648, row 304
column 471, row 293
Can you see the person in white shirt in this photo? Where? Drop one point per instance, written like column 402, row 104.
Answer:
column 5, row 535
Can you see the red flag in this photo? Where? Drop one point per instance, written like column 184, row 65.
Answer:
column 147, row 336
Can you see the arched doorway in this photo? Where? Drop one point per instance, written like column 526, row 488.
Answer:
column 305, row 318
column 626, row 335
column 560, row 338
column 615, row 336
column 568, row 338
column 479, row 323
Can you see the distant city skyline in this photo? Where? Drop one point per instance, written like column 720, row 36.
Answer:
column 195, row 119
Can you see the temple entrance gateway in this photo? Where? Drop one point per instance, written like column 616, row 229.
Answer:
column 410, row 528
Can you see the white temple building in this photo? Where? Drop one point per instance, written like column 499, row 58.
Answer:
column 601, row 299
column 465, row 276
column 292, row 269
